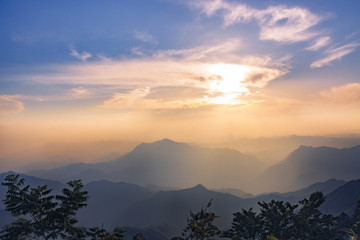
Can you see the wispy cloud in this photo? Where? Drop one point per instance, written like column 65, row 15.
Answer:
column 348, row 94
column 143, row 98
column 319, row 43
column 82, row 56
column 352, row 34
column 204, row 75
column 277, row 23
column 138, row 51
column 334, row 54
column 287, row 25
column 224, row 49
column 10, row 105
column 79, row 92
column 171, row 67
column 145, row 37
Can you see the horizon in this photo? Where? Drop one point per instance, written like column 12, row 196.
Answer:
column 58, row 154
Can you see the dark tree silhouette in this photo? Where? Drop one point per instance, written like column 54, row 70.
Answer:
column 282, row 220
column 245, row 225
column 40, row 215
column 354, row 230
column 200, row 225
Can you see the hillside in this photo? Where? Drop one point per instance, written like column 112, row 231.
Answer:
column 169, row 164
column 343, row 199
column 307, row 165
column 108, row 201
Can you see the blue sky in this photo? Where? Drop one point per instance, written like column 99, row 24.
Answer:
column 44, row 32
column 136, row 69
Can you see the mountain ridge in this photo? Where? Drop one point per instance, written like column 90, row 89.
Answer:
column 307, row 165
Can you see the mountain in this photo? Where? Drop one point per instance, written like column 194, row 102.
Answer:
column 324, row 187
column 168, row 164
column 5, row 217
column 173, row 207
column 150, row 232
column 234, row 191
column 179, row 164
column 307, row 165
column 274, row 149
column 343, row 199
column 107, row 202
column 87, row 172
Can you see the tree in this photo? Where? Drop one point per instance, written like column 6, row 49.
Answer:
column 354, row 230
column 40, row 215
column 245, row 225
column 200, row 225
column 277, row 219
column 282, row 220
column 96, row 233
column 311, row 223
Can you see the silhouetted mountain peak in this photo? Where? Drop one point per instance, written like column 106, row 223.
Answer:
column 304, row 147
column 165, row 141
column 302, row 150
column 199, row 187
column 8, row 173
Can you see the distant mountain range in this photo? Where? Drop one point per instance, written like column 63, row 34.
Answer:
column 108, row 201
column 324, row 187
column 114, row 204
column 178, row 165
column 274, row 149
column 307, row 165
column 169, row 164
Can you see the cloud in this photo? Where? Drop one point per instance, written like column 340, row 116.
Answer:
column 319, row 43
column 261, row 76
column 205, row 52
column 348, row 94
column 79, row 92
column 195, row 85
column 171, row 93
column 138, row 51
column 145, row 37
column 334, row 54
column 83, row 56
column 352, row 34
column 277, row 23
column 141, row 98
column 200, row 76
column 9, row 105
column 104, row 59
column 287, row 25
column 184, row 67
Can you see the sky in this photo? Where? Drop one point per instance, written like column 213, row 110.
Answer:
column 143, row 70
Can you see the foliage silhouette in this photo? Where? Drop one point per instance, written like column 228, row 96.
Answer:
column 200, row 225
column 354, row 230
column 40, row 215
column 284, row 221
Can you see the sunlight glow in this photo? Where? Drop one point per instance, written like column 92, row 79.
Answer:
column 228, row 82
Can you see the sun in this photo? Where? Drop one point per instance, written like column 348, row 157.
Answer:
column 228, row 82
